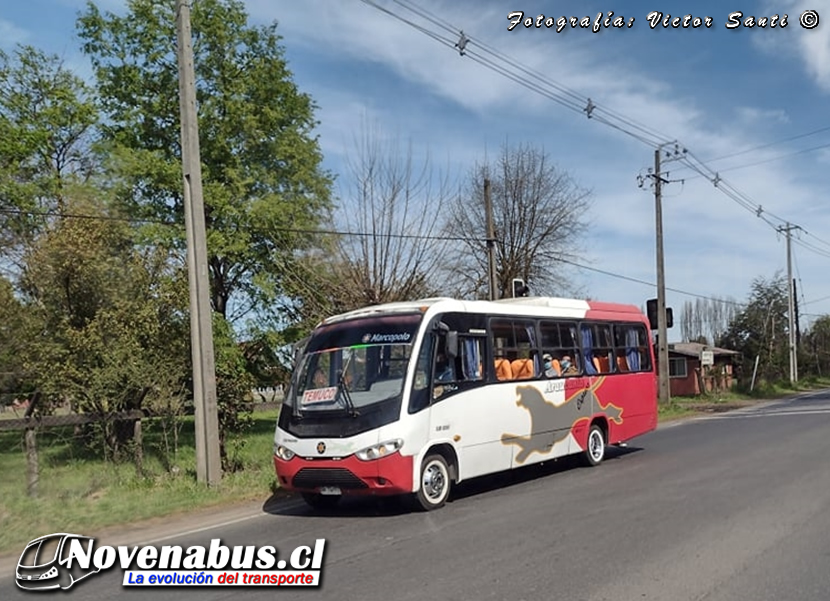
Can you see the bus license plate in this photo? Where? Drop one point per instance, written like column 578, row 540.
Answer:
column 329, row 490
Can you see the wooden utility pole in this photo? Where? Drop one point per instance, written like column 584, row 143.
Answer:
column 208, row 461
column 664, row 393
column 791, row 319
column 491, row 240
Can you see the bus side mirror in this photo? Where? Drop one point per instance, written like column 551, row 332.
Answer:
column 451, row 344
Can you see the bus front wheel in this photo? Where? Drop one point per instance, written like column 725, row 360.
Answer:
column 595, row 449
column 434, row 489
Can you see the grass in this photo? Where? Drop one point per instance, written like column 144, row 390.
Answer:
column 720, row 401
column 78, row 491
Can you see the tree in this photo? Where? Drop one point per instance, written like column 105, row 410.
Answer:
column 760, row 329
column 263, row 181
column 113, row 332
column 389, row 246
column 18, row 325
column 47, row 116
column 539, row 217
column 816, row 347
column 707, row 319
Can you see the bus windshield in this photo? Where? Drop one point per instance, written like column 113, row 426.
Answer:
column 354, row 364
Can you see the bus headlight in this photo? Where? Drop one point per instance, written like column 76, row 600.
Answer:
column 379, row 450
column 283, row 453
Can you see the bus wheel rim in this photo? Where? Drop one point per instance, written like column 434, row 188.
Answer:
column 434, row 481
column 595, row 445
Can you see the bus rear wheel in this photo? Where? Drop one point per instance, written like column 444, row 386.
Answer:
column 318, row 501
column 435, row 483
column 595, row 449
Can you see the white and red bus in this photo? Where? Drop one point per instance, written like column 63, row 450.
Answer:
column 414, row 397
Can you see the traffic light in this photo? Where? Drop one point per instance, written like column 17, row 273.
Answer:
column 651, row 312
column 519, row 288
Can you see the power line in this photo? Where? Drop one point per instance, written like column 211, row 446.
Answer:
column 769, row 160
column 650, row 284
column 767, row 145
column 816, row 300
column 61, row 214
column 578, row 103
column 332, row 232
column 290, row 230
column 509, row 66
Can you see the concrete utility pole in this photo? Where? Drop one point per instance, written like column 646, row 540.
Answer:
column 491, row 240
column 664, row 392
column 208, row 461
column 791, row 328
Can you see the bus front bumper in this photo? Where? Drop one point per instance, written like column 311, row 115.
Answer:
column 390, row 475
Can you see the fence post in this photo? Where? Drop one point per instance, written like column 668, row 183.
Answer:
column 138, row 447
column 32, row 472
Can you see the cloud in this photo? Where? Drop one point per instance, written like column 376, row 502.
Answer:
column 11, row 34
column 753, row 116
column 812, row 45
column 713, row 245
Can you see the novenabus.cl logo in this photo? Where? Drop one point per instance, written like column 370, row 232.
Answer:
column 45, row 563
column 57, row 561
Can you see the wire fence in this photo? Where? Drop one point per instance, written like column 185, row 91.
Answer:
column 44, row 431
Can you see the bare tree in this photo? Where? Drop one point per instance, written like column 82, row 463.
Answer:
column 388, row 243
column 707, row 319
column 539, row 217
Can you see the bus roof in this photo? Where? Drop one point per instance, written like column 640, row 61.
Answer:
column 537, row 306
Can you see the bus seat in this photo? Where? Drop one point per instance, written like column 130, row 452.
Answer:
column 557, row 367
column 602, row 364
column 522, row 369
column 503, row 370
column 622, row 364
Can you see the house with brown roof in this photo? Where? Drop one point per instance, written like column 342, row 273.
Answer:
column 695, row 368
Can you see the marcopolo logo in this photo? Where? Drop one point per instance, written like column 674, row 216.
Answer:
column 57, row 561
column 381, row 338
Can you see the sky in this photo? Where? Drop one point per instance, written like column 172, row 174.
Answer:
column 746, row 106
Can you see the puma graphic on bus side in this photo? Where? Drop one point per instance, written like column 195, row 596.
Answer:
column 551, row 424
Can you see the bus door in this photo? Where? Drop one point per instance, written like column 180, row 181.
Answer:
column 463, row 407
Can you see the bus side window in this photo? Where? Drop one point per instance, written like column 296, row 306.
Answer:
column 631, row 347
column 471, row 358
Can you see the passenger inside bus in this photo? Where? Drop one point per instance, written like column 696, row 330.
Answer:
column 504, row 371
column 552, row 366
column 568, row 368
column 522, row 369
column 444, row 371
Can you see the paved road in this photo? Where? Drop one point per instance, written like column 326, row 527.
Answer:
column 729, row 507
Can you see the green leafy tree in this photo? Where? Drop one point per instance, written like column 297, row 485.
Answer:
column 261, row 162
column 761, row 329
column 815, row 348
column 113, row 331
column 47, row 116
column 18, row 326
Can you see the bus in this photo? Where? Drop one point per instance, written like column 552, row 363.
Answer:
column 412, row 398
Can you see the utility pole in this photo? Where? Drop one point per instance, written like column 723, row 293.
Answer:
column 791, row 328
column 491, row 240
column 797, row 325
column 208, row 462
column 664, row 393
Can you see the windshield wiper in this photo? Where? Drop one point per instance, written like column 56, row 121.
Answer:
column 342, row 388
